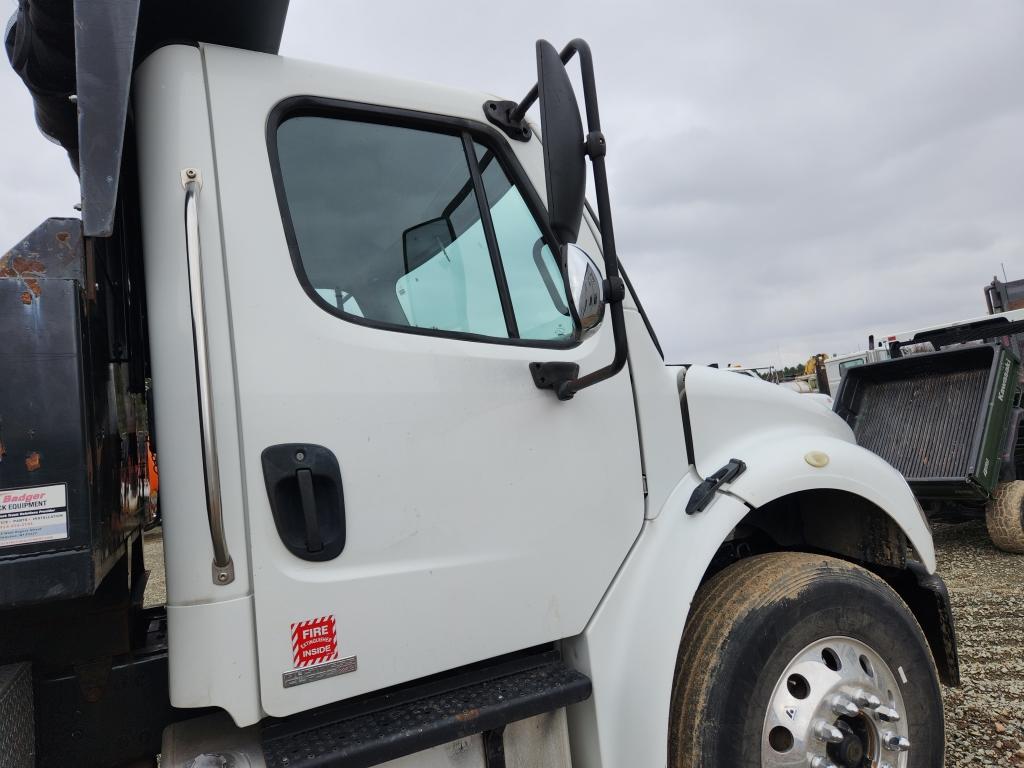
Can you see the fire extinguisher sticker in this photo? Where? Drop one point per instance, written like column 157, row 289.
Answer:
column 315, row 652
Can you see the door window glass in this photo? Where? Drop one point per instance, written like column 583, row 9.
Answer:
column 531, row 270
column 340, row 300
column 387, row 225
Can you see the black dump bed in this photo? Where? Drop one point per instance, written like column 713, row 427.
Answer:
column 939, row 418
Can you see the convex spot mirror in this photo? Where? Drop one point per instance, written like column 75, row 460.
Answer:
column 586, row 289
column 565, row 167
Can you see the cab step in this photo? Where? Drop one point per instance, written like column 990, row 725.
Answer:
column 406, row 720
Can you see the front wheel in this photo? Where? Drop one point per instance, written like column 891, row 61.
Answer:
column 792, row 659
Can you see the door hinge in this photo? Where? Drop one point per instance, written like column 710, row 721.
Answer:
column 644, row 478
column 704, row 493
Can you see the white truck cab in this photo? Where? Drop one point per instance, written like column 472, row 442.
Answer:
column 837, row 366
column 425, row 502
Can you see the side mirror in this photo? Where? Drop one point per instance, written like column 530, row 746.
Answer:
column 424, row 241
column 565, row 154
column 586, row 289
column 564, row 148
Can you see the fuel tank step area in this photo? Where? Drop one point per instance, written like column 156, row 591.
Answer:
column 388, row 725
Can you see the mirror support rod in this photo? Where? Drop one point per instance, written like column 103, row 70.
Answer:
column 615, row 289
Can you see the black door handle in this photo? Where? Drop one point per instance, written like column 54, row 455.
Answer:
column 306, row 499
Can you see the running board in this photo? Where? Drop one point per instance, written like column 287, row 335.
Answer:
column 407, row 720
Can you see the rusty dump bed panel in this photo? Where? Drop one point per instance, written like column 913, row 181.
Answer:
column 72, row 443
column 939, row 418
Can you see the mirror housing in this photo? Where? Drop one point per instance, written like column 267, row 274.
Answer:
column 565, row 168
column 586, row 289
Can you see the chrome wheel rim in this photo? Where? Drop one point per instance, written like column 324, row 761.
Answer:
column 837, row 704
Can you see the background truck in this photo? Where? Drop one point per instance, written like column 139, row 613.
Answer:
column 430, row 495
column 1004, row 296
column 946, row 411
column 837, row 366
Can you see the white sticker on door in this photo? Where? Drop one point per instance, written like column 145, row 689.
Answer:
column 33, row 515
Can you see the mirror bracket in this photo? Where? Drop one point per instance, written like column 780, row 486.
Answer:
column 501, row 114
column 614, row 289
column 563, row 377
column 554, row 375
column 596, row 145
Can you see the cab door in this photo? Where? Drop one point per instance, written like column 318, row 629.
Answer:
column 414, row 502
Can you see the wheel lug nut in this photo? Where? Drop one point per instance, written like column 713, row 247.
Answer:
column 865, row 699
column 894, row 742
column 827, row 732
column 822, row 762
column 843, row 706
column 888, row 714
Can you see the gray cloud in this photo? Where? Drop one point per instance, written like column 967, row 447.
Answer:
column 787, row 177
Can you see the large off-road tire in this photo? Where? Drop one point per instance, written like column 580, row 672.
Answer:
column 784, row 651
column 1004, row 516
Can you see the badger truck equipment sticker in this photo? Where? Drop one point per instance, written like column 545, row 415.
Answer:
column 315, row 652
column 33, row 515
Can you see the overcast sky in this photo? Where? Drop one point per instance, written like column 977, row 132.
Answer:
column 786, row 177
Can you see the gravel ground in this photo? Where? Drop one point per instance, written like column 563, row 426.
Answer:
column 985, row 716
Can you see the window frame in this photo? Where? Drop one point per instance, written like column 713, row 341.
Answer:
column 467, row 131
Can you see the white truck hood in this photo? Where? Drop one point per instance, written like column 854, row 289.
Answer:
column 791, row 443
column 726, row 409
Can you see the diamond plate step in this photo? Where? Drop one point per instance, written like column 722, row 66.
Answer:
column 388, row 726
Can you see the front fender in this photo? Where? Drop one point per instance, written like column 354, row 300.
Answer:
column 773, row 430
column 629, row 648
column 779, row 467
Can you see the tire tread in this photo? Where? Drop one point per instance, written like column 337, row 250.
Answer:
column 1004, row 516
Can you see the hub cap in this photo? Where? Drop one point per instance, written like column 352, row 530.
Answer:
column 836, row 705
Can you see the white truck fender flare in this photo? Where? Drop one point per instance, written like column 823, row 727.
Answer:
column 790, row 464
column 630, row 645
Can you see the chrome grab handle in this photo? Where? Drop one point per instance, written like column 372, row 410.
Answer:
column 223, row 567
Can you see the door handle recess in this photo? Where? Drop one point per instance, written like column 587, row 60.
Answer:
column 223, row 567
column 307, row 499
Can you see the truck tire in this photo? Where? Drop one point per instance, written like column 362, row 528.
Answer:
column 792, row 659
column 1004, row 516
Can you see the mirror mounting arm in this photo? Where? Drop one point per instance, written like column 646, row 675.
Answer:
column 555, row 375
